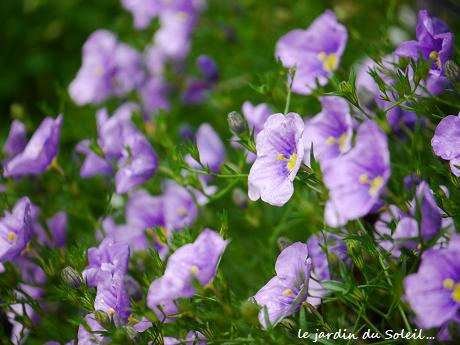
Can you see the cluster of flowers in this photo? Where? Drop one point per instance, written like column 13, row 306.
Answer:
column 351, row 148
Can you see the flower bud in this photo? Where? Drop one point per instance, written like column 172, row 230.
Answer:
column 452, row 72
column 71, row 277
column 240, row 198
column 102, row 318
column 132, row 334
column 235, row 122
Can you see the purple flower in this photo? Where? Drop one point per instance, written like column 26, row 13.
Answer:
column 446, row 141
column 143, row 11
column 154, row 94
column 356, row 179
column 280, row 150
column 39, row 152
column 255, row 115
column 208, row 68
column 196, row 90
column 433, row 43
column 179, row 208
column 192, row 338
column 17, row 139
column 315, row 53
column 92, row 336
column 15, row 230
column 109, row 68
column 122, row 144
column 112, row 298
column 330, row 132
column 57, row 226
column 283, row 295
column 210, row 148
column 434, row 291
column 408, row 231
column 106, row 260
column 197, row 260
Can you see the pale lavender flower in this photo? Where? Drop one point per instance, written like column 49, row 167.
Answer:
column 179, row 208
column 92, row 336
column 15, row 230
column 446, row 141
column 434, row 291
column 57, row 226
column 315, row 53
column 280, row 150
column 109, row 68
column 112, row 298
column 192, row 338
column 329, row 132
column 106, row 260
column 283, row 295
column 355, row 180
column 154, row 94
column 143, row 11
column 39, row 152
column 17, row 139
column 193, row 261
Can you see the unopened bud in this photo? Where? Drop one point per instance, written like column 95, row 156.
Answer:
column 240, row 198
column 283, row 242
column 345, row 87
column 102, row 318
column 71, row 277
column 452, row 72
column 235, row 122
column 132, row 333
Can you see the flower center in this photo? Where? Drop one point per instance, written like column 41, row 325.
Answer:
column 434, row 55
column 341, row 141
column 450, row 284
column 289, row 292
column 111, row 311
column 374, row 184
column 194, row 269
column 329, row 61
column 11, row 236
column 290, row 161
column 181, row 211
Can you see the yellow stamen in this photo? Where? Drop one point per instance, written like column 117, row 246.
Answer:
column 342, row 141
column 448, row 283
column 434, row 55
column 329, row 61
column 111, row 311
column 288, row 292
column 456, row 293
column 375, row 185
column 11, row 236
column 291, row 162
column 330, row 140
column 181, row 211
column 194, row 269
column 281, row 157
column 182, row 16
column 363, row 179
column 26, row 249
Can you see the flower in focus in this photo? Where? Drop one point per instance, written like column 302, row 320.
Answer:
column 356, row 179
column 330, row 132
column 280, row 150
column 112, row 298
column 109, row 68
column 434, row 291
column 314, row 53
column 194, row 261
column 39, row 152
column 446, row 142
column 283, row 295
column 106, row 260
column 15, row 230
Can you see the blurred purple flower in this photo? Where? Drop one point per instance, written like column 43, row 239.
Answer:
column 179, row 208
column 15, row 230
column 192, row 338
column 39, row 152
column 17, row 139
column 446, row 142
column 280, row 150
column 143, row 11
column 196, row 90
column 105, row 261
column 433, row 43
column 109, row 68
column 356, row 179
column 154, row 94
column 57, row 226
column 283, row 295
column 315, row 52
column 434, row 291
column 330, row 132
column 92, row 336
column 197, row 260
